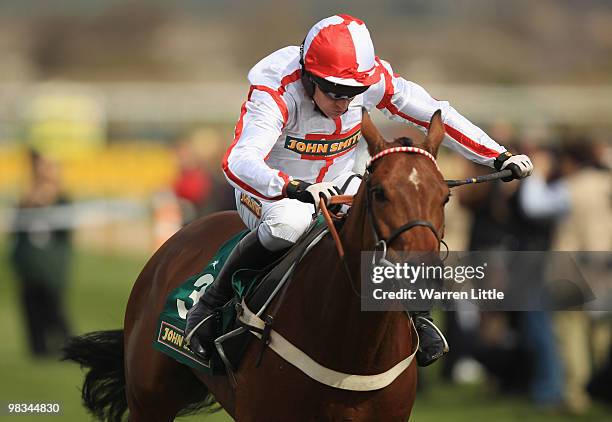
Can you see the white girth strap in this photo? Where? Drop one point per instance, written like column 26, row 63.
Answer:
column 319, row 373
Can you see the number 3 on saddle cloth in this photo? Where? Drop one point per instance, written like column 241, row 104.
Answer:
column 255, row 287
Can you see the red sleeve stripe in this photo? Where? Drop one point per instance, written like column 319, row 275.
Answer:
column 225, row 163
column 276, row 95
column 463, row 139
column 469, row 143
column 289, row 79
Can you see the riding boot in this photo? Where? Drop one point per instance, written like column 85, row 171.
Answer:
column 432, row 344
column 203, row 317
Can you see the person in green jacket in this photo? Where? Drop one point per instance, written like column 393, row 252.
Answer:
column 41, row 256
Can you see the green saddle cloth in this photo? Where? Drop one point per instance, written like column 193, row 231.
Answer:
column 170, row 338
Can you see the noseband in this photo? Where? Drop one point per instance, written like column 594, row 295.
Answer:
column 381, row 242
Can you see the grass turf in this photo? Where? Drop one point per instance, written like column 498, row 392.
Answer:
column 97, row 296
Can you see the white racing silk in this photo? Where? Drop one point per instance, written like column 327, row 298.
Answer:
column 280, row 134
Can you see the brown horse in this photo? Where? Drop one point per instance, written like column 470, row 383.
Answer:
column 320, row 314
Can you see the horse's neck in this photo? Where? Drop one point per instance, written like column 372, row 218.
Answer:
column 347, row 336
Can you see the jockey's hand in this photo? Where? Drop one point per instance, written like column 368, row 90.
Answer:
column 520, row 165
column 310, row 192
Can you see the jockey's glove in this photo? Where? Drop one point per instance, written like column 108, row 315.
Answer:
column 310, row 192
column 520, row 165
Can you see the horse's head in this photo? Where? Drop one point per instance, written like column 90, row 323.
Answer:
column 406, row 192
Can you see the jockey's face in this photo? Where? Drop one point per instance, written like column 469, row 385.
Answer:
column 332, row 108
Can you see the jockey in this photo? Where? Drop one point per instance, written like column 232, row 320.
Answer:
column 295, row 142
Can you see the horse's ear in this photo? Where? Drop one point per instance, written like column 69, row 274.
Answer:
column 374, row 139
column 435, row 134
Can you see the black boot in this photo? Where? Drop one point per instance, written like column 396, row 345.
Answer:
column 432, row 344
column 201, row 327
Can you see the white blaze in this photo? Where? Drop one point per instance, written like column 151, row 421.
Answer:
column 414, row 178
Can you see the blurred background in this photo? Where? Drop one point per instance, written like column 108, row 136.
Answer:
column 114, row 117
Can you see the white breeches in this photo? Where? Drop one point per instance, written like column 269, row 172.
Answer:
column 280, row 223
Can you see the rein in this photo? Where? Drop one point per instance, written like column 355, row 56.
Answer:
column 328, row 216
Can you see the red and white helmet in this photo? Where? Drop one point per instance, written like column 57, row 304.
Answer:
column 339, row 50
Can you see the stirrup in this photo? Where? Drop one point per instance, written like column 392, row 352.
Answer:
column 432, row 345
column 201, row 350
column 438, row 331
column 198, row 325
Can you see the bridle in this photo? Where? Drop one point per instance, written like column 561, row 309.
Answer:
column 382, row 243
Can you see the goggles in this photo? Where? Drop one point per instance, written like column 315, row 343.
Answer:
column 337, row 91
column 335, row 96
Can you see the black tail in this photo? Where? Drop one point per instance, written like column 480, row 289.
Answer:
column 104, row 387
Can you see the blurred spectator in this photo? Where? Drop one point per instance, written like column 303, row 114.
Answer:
column 200, row 185
column 588, row 227
column 193, row 184
column 486, row 336
column 488, row 202
column 41, row 257
column 490, row 212
column 469, row 332
column 539, row 204
column 518, row 216
column 212, row 145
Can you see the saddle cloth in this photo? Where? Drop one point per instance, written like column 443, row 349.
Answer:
column 255, row 287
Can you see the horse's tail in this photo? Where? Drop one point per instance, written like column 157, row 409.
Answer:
column 104, row 386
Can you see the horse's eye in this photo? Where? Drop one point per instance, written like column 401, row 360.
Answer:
column 447, row 199
column 379, row 193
